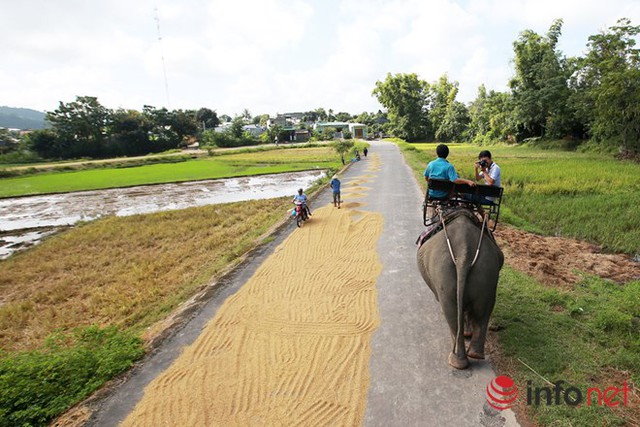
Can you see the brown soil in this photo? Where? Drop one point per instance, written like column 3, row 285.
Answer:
column 560, row 261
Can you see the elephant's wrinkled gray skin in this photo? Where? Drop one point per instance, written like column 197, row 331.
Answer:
column 477, row 284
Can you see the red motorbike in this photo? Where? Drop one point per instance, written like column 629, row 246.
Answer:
column 301, row 214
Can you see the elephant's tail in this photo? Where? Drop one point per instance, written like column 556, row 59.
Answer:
column 462, row 270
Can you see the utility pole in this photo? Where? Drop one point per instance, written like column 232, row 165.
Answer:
column 164, row 68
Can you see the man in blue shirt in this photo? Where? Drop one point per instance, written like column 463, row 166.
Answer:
column 335, row 185
column 440, row 168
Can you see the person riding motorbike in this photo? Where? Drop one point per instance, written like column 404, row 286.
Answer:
column 302, row 199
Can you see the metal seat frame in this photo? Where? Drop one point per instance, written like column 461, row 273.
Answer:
column 456, row 198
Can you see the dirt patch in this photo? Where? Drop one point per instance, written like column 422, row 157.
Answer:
column 559, row 260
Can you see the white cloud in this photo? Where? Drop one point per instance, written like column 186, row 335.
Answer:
column 271, row 55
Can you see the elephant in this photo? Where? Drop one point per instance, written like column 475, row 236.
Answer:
column 467, row 286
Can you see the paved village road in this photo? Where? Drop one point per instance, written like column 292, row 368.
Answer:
column 330, row 324
column 411, row 382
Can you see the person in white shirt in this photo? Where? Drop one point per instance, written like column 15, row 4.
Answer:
column 488, row 170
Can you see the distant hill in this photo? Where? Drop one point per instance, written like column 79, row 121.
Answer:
column 22, row 118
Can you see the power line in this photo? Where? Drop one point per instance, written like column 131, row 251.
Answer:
column 164, row 68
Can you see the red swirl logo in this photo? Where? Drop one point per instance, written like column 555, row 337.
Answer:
column 502, row 393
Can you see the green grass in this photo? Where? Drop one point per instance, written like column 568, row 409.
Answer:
column 588, row 336
column 36, row 386
column 221, row 166
column 581, row 195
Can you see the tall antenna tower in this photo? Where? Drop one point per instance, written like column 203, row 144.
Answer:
column 164, row 68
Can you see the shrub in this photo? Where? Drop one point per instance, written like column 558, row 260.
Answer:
column 21, row 156
column 227, row 139
column 327, row 134
column 37, row 386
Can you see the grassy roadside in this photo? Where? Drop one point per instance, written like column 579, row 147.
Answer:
column 219, row 166
column 75, row 306
column 589, row 335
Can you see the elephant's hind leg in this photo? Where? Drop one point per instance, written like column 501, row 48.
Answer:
column 468, row 326
column 476, row 346
column 458, row 359
column 458, row 362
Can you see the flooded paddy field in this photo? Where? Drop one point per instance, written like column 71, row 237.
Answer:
column 24, row 221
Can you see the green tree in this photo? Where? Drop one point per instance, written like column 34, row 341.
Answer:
column 321, row 114
column 343, row 147
column 207, row 118
column 449, row 118
column 455, row 122
column 8, row 141
column 184, row 125
column 442, row 94
column 610, row 79
column 270, row 135
column 129, row 133
column 539, row 87
column 45, row 143
column 327, row 133
column 310, row 116
column 343, row 117
column 236, row 129
column 162, row 136
column 81, row 127
column 491, row 117
column 405, row 97
column 365, row 118
column 263, row 118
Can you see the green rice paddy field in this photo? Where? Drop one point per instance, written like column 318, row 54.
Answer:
column 228, row 165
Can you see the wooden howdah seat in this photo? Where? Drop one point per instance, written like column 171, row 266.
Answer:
column 457, row 196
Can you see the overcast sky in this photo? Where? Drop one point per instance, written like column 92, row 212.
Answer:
column 270, row 56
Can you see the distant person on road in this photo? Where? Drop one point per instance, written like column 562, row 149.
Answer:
column 302, row 199
column 276, row 140
column 335, row 186
column 365, row 151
